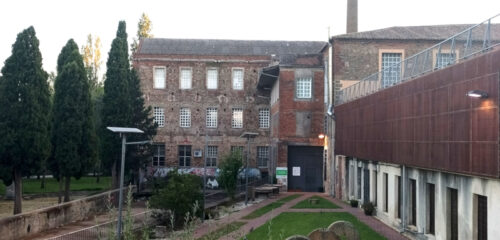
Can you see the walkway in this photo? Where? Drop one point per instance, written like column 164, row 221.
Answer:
column 252, row 224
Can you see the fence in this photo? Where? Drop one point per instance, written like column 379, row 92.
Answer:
column 470, row 42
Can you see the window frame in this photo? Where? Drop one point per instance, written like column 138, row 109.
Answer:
column 264, row 121
column 156, row 158
column 181, row 69
column 242, row 78
column 215, row 121
column 212, row 156
column 261, row 150
column 216, row 78
column 164, row 78
column 159, row 119
column 185, row 156
column 187, row 119
column 380, row 64
column 234, row 122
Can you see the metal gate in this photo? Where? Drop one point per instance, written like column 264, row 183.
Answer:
column 305, row 169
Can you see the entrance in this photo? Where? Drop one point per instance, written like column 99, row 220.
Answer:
column 305, row 169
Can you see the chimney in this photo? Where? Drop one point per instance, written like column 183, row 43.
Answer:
column 352, row 16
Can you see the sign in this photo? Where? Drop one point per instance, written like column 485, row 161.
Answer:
column 296, row 172
column 281, row 172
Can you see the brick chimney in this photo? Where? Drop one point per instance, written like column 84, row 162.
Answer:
column 352, row 16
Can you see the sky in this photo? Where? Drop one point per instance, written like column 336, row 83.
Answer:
column 56, row 21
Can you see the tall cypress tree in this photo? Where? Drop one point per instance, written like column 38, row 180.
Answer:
column 73, row 135
column 24, row 118
column 116, row 108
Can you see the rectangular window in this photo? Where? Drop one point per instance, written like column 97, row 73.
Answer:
column 399, row 197
column 238, row 79
column 391, row 68
column 158, row 154
column 413, row 202
column 159, row 114
column 212, row 156
column 264, row 118
column 453, row 213
column 386, row 192
column 184, row 155
column 186, row 77
column 359, row 183
column 444, row 59
column 431, row 206
column 262, row 156
column 160, row 75
column 212, row 78
column 304, row 87
column 482, row 217
column 185, row 117
column 211, row 117
column 237, row 120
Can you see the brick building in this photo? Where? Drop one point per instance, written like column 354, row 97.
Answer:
column 204, row 92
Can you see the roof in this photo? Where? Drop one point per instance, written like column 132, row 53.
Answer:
column 436, row 32
column 228, row 47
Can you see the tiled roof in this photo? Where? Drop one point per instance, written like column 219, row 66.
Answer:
column 436, row 32
column 228, row 47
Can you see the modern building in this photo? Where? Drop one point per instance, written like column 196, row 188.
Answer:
column 206, row 93
column 417, row 129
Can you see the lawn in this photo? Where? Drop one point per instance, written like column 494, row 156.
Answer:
column 32, row 186
column 269, row 207
column 291, row 223
column 223, row 231
column 322, row 203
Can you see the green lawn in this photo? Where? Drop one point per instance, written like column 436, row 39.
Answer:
column 322, row 203
column 32, row 186
column 222, row 231
column 269, row 207
column 291, row 223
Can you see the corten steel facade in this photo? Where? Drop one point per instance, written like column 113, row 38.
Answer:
column 223, row 57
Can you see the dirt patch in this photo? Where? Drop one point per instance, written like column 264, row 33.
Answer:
column 7, row 206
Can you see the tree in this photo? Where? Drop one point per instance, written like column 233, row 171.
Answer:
column 73, row 135
column 229, row 168
column 143, row 31
column 24, row 118
column 92, row 60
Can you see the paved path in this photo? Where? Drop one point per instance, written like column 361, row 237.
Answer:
column 252, row 224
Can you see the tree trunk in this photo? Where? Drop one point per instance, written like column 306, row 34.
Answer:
column 66, row 189
column 59, row 200
column 18, row 188
column 42, row 184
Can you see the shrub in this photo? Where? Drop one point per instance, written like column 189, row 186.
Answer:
column 369, row 208
column 178, row 196
column 354, row 203
column 229, row 168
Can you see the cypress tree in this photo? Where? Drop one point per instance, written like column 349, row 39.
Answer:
column 24, row 118
column 73, row 135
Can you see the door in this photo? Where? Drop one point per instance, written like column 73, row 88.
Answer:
column 366, row 185
column 305, row 169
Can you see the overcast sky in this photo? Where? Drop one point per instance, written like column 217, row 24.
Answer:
column 56, row 21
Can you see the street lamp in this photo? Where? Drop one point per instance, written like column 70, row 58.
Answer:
column 123, row 132
column 247, row 135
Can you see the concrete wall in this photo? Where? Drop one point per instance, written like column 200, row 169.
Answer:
column 30, row 223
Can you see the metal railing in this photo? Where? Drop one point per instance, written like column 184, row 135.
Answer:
column 470, row 42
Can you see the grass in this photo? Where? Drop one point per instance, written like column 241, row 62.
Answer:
column 322, row 203
column 222, row 231
column 269, row 207
column 32, row 186
column 291, row 223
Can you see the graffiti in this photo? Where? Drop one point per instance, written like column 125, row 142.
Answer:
column 163, row 171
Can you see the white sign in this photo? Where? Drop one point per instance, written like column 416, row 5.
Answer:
column 296, row 171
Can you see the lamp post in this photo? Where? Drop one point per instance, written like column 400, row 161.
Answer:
column 123, row 131
column 248, row 136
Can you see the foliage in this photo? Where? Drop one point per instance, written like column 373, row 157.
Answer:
column 269, row 207
column 296, row 223
column 91, row 52
column 229, row 168
column 322, row 203
column 368, row 208
column 32, row 186
column 143, row 31
column 178, row 196
column 354, row 203
column 25, row 114
column 73, row 136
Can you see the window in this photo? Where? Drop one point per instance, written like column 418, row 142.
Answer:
column 184, row 155
column 160, row 74
column 481, row 215
column 158, row 154
column 444, row 59
column 262, row 156
column 212, row 78
column 399, row 198
column 391, row 68
column 304, row 87
column 238, row 79
column 431, row 206
column 237, row 121
column 212, row 156
column 453, row 213
column 211, row 117
column 413, row 202
column 264, row 118
column 386, row 191
column 185, row 117
column 359, row 183
column 159, row 114
column 186, row 76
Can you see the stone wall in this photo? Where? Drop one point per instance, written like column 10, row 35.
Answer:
column 30, row 223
